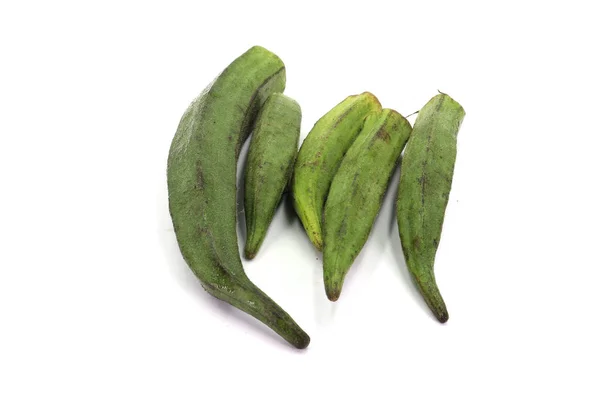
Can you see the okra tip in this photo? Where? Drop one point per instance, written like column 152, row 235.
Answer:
column 438, row 307
column 442, row 315
column 316, row 239
column 432, row 296
column 302, row 342
column 333, row 294
column 333, row 287
column 249, row 254
column 254, row 242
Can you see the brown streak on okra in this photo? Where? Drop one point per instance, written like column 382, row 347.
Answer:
column 383, row 135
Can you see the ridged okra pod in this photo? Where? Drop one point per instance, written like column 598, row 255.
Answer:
column 270, row 163
column 357, row 191
column 425, row 181
column 320, row 156
column 201, row 177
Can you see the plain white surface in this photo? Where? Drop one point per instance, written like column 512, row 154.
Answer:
column 96, row 301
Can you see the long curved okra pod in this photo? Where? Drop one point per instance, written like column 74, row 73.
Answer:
column 201, row 177
column 357, row 191
column 271, row 157
column 320, row 156
column 425, row 182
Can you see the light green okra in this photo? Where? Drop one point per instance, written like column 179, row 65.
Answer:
column 357, row 191
column 320, row 156
column 271, row 157
column 201, row 177
column 425, row 181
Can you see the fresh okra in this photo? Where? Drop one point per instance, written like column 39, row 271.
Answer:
column 425, row 181
column 357, row 191
column 201, row 177
column 320, row 156
column 271, row 157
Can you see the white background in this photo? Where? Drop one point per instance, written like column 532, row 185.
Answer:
column 97, row 303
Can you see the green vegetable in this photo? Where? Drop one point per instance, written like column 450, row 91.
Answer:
column 320, row 156
column 202, row 184
column 425, row 182
column 270, row 164
column 357, row 191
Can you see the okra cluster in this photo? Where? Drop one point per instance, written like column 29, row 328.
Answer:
column 338, row 180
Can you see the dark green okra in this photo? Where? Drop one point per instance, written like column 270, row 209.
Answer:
column 357, row 191
column 425, row 182
column 201, row 177
column 271, row 156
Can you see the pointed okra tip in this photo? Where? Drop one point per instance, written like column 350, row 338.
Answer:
column 254, row 240
column 291, row 332
column 302, row 341
column 425, row 281
column 249, row 254
column 443, row 317
column 316, row 240
column 441, row 313
column 333, row 286
column 438, row 307
column 318, row 245
column 333, row 294
column 251, row 247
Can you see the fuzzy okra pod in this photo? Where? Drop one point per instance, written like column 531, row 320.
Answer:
column 357, row 191
column 425, row 181
column 201, row 177
column 271, row 156
column 320, row 156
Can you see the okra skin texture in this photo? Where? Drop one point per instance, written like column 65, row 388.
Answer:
column 320, row 156
column 201, row 177
column 425, row 182
column 271, row 156
column 357, row 191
